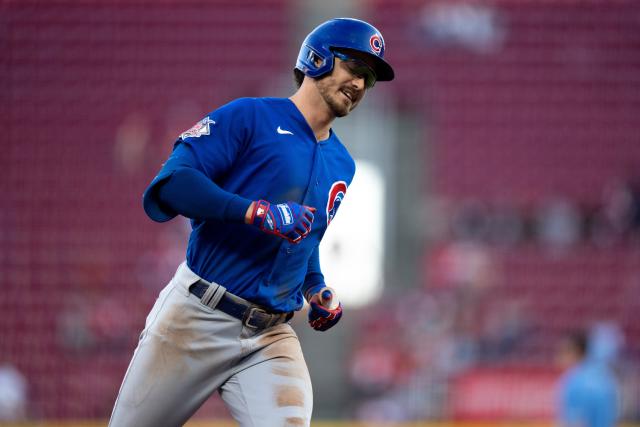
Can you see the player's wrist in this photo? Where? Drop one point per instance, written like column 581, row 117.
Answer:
column 259, row 216
column 248, row 215
column 313, row 290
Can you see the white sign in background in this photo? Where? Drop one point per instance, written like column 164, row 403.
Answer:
column 352, row 252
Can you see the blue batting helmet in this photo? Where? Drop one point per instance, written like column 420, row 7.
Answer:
column 338, row 34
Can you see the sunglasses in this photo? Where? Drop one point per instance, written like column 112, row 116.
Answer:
column 358, row 68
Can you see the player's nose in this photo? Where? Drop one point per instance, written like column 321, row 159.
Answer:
column 358, row 83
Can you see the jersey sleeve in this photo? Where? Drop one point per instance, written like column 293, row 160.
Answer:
column 314, row 279
column 211, row 147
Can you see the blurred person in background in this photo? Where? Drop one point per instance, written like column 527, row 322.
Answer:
column 588, row 390
column 13, row 394
column 261, row 179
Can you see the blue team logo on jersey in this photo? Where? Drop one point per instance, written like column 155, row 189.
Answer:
column 336, row 194
column 203, row 127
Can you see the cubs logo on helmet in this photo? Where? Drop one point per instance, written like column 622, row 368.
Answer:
column 336, row 194
column 376, row 43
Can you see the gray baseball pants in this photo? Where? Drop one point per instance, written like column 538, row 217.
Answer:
column 188, row 350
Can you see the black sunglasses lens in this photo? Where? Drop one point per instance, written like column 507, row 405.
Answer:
column 365, row 72
column 359, row 68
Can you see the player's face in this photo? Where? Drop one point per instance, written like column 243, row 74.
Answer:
column 345, row 87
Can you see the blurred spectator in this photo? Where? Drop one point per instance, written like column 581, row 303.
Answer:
column 131, row 140
column 618, row 217
column 635, row 206
column 466, row 25
column 605, row 342
column 73, row 329
column 470, row 221
column 588, row 390
column 110, row 322
column 155, row 265
column 506, row 325
column 93, row 319
column 505, row 225
column 556, row 223
column 559, row 223
column 13, row 394
column 464, row 265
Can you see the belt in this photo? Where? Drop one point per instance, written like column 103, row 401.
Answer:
column 252, row 316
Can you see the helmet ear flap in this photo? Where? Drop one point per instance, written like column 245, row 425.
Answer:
column 313, row 63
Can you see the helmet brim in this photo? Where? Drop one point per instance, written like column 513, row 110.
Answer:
column 384, row 72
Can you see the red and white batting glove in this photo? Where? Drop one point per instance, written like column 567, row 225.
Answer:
column 323, row 312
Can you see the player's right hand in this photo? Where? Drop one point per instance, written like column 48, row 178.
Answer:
column 289, row 221
column 324, row 310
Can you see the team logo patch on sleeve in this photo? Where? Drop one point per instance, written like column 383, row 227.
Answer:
column 203, row 127
column 336, row 194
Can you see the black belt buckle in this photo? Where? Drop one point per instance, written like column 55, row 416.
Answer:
column 249, row 314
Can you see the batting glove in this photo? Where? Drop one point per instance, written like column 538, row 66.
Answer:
column 321, row 317
column 289, row 221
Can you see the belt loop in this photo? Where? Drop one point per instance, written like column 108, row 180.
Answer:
column 213, row 294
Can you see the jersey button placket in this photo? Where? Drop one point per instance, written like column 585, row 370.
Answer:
column 279, row 262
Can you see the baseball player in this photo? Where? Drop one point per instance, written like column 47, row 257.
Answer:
column 260, row 179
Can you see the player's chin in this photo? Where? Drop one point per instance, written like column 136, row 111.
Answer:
column 341, row 109
column 344, row 106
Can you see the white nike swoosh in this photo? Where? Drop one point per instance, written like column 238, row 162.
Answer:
column 284, row 131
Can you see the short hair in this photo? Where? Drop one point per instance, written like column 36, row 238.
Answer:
column 579, row 342
column 298, row 77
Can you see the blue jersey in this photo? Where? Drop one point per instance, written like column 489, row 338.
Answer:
column 262, row 148
column 588, row 396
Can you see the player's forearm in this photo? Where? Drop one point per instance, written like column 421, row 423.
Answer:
column 190, row 193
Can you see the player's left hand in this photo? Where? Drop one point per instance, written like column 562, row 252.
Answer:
column 321, row 317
